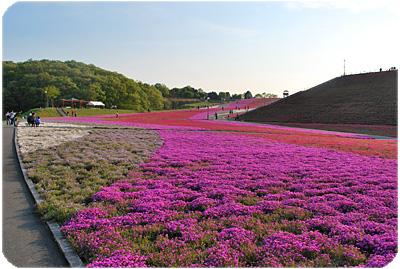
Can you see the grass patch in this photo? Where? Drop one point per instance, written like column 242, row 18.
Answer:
column 49, row 112
column 98, row 111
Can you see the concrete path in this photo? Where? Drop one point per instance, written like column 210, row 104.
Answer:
column 27, row 242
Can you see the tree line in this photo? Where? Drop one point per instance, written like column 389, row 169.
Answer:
column 26, row 84
column 33, row 84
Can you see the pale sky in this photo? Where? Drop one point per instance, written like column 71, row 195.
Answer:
column 217, row 46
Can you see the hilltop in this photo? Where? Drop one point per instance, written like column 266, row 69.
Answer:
column 362, row 99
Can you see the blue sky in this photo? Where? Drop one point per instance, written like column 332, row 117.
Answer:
column 217, row 46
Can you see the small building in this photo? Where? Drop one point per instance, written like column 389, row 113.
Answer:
column 96, row 104
column 74, row 103
column 285, row 93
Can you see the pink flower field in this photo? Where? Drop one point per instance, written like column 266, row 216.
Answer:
column 236, row 195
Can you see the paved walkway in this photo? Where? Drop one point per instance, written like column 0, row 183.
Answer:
column 27, row 242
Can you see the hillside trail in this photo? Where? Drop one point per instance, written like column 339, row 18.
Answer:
column 225, row 113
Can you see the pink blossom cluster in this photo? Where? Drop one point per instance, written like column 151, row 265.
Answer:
column 240, row 126
column 253, row 102
column 97, row 119
column 203, row 114
column 220, row 200
column 275, row 127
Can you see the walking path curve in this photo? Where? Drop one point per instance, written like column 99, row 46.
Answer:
column 27, row 242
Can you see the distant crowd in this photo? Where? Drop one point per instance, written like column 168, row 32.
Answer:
column 390, row 69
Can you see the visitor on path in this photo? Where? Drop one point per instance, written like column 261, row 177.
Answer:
column 116, row 114
column 15, row 121
column 216, row 115
column 12, row 114
column 7, row 117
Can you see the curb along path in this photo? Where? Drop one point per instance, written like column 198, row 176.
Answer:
column 70, row 255
column 27, row 242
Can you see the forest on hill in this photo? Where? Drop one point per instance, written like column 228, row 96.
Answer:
column 34, row 83
column 25, row 84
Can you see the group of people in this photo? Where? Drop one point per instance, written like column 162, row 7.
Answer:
column 12, row 117
column 74, row 114
column 390, row 69
column 33, row 120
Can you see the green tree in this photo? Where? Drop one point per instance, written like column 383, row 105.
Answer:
column 213, row 96
column 248, row 95
column 24, row 85
column 237, row 96
column 51, row 93
column 269, row 95
column 224, row 95
column 163, row 89
column 188, row 94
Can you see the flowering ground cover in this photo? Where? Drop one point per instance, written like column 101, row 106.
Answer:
column 240, row 104
column 212, row 199
column 359, row 144
column 384, row 130
column 366, row 147
column 67, row 175
column 196, row 193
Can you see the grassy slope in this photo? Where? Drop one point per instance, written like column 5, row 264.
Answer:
column 50, row 112
column 98, row 111
column 365, row 103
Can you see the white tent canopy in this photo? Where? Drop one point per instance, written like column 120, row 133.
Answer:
column 96, row 103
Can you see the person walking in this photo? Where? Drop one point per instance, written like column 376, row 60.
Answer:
column 16, row 118
column 8, row 117
column 12, row 114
